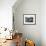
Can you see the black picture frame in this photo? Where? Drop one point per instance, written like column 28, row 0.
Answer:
column 29, row 19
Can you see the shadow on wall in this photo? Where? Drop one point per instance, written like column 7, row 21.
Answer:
column 28, row 7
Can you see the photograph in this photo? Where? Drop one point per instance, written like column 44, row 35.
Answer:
column 29, row 19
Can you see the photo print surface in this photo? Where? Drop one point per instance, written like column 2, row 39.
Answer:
column 30, row 19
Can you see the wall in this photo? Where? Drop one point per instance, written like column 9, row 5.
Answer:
column 43, row 22
column 6, row 13
column 32, row 32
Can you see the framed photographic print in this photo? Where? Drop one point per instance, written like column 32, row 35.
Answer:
column 29, row 19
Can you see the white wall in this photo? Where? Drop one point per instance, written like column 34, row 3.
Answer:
column 30, row 31
column 43, row 22
column 6, row 13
